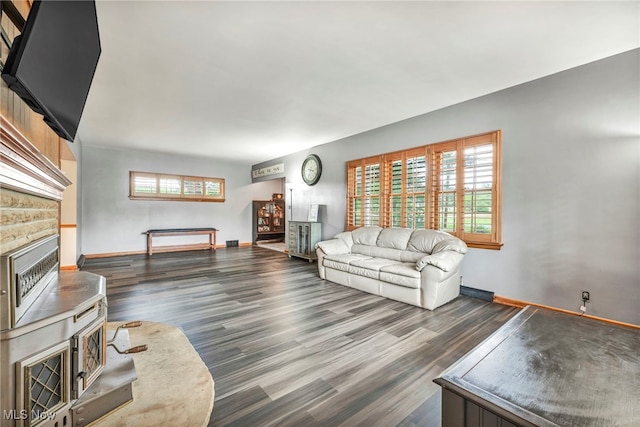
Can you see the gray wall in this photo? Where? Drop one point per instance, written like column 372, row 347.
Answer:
column 571, row 184
column 111, row 223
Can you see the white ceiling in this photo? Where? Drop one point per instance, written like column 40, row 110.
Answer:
column 251, row 81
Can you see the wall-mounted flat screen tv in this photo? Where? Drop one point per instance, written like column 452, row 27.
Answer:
column 52, row 63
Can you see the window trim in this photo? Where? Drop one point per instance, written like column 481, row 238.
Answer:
column 492, row 240
column 181, row 197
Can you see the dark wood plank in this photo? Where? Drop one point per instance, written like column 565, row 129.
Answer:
column 287, row 348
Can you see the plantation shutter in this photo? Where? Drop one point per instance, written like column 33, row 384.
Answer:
column 479, row 206
column 453, row 186
column 193, row 187
column 405, row 189
column 393, row 190
column 143, row 184
column 169, row 185
column 155, row 186
column 415, row 197
column 364, row 191
column 443, row 186
column 214, row 188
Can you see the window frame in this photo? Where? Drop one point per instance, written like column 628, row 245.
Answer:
column 179, row 196
column 429, row 213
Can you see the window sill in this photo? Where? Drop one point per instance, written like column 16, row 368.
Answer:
column 485, row 245
column 177, row 199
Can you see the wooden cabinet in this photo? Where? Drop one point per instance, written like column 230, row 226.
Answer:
column 543, row 368
column 268, row 220
column 12, row 108
column 303, row 237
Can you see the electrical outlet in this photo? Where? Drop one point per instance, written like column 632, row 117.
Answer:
column 585, row 296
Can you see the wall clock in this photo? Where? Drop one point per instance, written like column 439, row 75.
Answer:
column 311, row 169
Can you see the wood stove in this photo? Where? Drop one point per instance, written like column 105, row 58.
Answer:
column 53, row 342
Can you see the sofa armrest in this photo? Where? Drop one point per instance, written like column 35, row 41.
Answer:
column 333, row 246
column 453, row 244
column 329, row 247
column 346, row 237
column 445, row 261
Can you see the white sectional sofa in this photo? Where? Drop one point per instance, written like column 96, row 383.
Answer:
column 418, row 267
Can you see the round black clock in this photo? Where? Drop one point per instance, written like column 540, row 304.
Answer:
column 311, row 169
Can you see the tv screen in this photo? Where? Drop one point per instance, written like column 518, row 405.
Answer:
column 52, row 63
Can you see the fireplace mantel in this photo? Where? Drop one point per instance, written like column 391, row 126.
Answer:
column 24, row 168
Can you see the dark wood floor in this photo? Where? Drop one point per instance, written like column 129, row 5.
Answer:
column 289, row 349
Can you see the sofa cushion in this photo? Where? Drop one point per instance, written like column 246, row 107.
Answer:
column 333, row 246
column 373, row 263
column 445, row 261
column 389, row 253
column 407, row 269
column 363, row 272
column 395, row 238
column 425, row 240
column 455, row 245
column 341, row 261
column 402, row 274
column 366, row 235
column 346, row 237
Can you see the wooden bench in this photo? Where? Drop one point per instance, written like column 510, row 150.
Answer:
column 180, row 232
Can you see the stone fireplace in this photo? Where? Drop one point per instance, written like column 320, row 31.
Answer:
column 52, row 338
column 58, row 366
